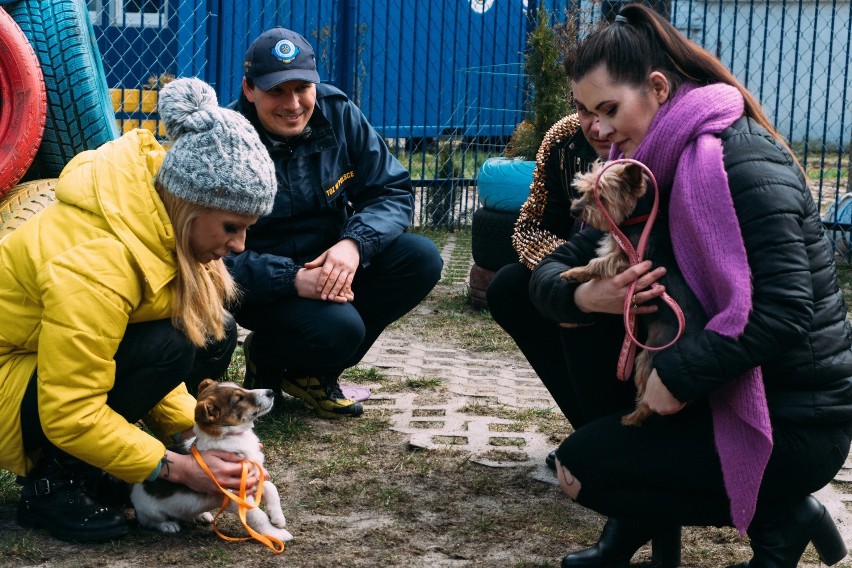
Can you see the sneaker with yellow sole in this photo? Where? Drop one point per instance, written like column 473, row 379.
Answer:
column 325, row 396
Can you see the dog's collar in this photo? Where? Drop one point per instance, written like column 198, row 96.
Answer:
column 635, row 220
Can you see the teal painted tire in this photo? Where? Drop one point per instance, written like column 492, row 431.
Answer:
column 838, row 217
column 79, row 106
column 22, row 103
column 504, row 184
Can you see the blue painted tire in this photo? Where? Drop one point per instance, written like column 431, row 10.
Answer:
column 504, row 184
column 840, row 211
column 79, row 106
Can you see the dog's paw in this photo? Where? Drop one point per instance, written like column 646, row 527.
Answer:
column 638, row 416
column 168, row 527
column 576, row 274
column 281, row 535
column 278, row 520
column 204, row 518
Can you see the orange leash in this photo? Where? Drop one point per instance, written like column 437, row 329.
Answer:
column 271, row 542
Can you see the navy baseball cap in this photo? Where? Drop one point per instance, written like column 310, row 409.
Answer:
column 279, row 55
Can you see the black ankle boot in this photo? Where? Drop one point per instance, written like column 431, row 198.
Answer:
column 108, row 490
column 780, row 541
column 54, row 497
column 620, row 540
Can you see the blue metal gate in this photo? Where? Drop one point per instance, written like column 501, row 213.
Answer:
column 443, row 80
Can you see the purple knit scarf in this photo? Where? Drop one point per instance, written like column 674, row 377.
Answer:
column 684, row 152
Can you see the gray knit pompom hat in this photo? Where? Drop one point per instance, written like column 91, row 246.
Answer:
column 216, row 158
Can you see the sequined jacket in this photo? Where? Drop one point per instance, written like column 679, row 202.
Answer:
column 545, row 220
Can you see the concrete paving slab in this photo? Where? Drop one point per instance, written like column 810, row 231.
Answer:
column 435, row 422
column 497, row 442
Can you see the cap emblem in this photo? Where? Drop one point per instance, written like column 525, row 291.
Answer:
column 285, row 51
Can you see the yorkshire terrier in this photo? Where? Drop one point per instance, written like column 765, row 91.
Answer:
column 621, row 190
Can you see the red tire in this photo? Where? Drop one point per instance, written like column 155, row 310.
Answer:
column 23, row 103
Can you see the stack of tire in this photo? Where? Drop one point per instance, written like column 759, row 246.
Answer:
column 55, row 99
column 503, row 185
column 837, row 220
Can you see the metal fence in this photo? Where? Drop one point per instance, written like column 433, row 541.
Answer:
column 443, row 80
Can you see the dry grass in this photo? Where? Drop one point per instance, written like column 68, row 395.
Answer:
column 356, row 494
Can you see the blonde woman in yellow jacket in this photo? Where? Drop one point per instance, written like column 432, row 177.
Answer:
column 115, row 295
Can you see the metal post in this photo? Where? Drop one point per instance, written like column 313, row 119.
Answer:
column 344, row 72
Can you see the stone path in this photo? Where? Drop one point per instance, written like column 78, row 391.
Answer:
column 441, row 421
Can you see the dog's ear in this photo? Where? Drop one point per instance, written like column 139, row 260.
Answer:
column 635, row 177
column 207, row 411
column 204, row 384
column 584, row 181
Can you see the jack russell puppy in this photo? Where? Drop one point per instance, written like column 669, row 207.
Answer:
column 224, row 420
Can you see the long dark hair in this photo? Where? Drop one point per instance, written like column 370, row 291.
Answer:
column 641, row 41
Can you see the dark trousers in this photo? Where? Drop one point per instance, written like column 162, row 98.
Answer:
column 667, row 471
column 320, row 338
column 152, row 359
column 582, row 393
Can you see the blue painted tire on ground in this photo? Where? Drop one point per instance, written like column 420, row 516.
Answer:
column 504, row 184
column 840, row 212
column 79, row 106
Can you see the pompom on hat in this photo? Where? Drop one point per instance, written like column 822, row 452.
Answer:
column 216, row 158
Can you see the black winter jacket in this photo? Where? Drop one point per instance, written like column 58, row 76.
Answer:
column 336, row 180
column 797, row 332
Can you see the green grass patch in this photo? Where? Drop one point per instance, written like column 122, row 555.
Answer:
column 10, row 491
column 364, row 375
column 424, row 383
column 453, row 319
column 20, row 549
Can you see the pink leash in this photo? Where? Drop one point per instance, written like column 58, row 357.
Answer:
column 635, row 256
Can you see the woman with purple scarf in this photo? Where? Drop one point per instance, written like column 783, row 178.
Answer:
column 754, row 412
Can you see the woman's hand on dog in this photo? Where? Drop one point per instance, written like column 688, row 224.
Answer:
column 606, row 295
column 659, row 398
column 226, row 467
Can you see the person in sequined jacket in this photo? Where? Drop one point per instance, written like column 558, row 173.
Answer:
column 544, row 223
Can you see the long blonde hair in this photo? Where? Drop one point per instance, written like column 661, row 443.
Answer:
column 202, row 291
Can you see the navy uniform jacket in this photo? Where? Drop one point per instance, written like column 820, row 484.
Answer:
column 336, row 180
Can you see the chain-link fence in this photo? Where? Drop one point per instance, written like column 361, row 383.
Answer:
column 443, row 80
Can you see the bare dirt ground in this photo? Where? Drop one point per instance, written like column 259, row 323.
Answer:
column 357, row 494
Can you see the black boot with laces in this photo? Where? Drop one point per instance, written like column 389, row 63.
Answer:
column 54, row 497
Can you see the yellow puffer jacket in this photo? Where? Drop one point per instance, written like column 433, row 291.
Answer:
column 71, row 279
